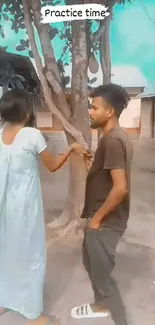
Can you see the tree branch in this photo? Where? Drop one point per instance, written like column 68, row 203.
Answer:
column 96, row 36
column 47, row 93
column 51, row 67
column 79, row 87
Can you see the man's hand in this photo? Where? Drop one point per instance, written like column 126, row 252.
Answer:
column 89, row 161
column 94, row 223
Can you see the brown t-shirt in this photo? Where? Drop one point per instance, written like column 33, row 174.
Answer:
column 114, row 151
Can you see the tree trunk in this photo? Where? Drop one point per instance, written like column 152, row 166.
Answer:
column 105, row 57
column 79, row 101
column 76, row 187
column 80, row 120
column 79, row 96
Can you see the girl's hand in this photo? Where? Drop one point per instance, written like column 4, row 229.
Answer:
column 77, row 148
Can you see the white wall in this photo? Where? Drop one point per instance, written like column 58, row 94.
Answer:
column 130, row 117
column 44, row 119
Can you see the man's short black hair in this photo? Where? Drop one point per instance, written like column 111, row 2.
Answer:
column 15, row 106
column 114, row 94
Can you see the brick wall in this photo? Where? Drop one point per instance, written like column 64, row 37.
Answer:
column 147, row 118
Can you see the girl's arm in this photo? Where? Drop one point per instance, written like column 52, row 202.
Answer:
column 54, row 163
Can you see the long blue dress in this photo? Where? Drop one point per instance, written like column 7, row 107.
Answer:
column 22, row 230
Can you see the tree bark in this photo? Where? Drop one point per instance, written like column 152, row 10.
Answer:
column 80, row 119
column 105, row 56
column 79, row 96
column 79, row 102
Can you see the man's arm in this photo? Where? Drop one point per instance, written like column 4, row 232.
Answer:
column 115, row 163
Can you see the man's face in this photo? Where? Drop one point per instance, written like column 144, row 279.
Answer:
column 99, row 113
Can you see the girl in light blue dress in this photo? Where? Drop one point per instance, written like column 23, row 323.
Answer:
column 22, row 230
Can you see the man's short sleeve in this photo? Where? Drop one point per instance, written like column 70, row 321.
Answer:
column 114, row 154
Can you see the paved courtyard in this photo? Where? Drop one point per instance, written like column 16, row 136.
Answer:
column 66, row 282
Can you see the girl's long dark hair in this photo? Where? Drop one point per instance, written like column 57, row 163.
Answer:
column 16, row 106
column 32, row 121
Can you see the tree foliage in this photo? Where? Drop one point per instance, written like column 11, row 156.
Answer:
column 9, row 78
column 12, row 10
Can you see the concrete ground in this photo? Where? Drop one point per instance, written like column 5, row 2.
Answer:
column 66, row 283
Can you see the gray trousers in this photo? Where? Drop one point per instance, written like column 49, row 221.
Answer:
column 99, row 249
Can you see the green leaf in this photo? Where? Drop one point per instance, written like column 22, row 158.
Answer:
column 2, row 34
column 31, row 54
column 93, row 80
column 67, row 33
column 20, row 48
column 47, row 2
column 22, row 26
column 6, row 9
column 27, row 43
column 19, row 84
column 21, row 78
column 24, row 43
column 65, row 81
column 65, row 48
column 53, row 32
column 5, row 17
column 12, row 10
column 12, row 84
column 60, row 66
column 62, row 36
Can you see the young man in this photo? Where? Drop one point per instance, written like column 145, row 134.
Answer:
column 107, row 203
